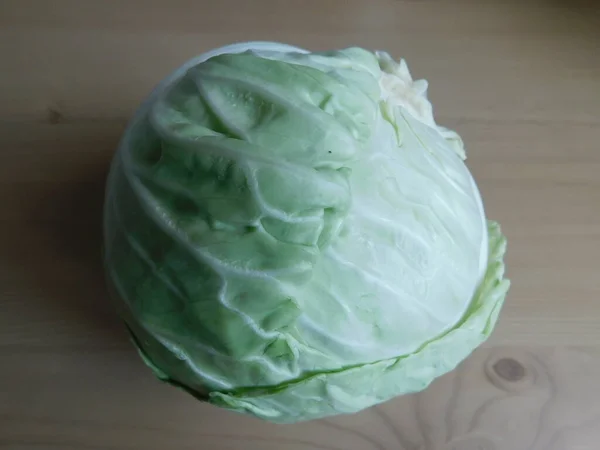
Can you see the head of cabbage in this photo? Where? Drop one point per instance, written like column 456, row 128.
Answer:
column 291, row 235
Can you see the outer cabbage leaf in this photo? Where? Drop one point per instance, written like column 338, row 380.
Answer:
column 353, row 388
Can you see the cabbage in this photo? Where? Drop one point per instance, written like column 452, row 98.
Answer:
column 291, row 234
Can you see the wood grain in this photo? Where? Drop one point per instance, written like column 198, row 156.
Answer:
column 519, row 80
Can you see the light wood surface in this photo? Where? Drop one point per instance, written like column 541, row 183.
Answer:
column 519, row 80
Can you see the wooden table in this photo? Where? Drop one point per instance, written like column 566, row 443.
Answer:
column 519, row 80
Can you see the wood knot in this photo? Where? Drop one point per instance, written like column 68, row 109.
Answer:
column 509, row 369
column 54, row 116
column 510, row 372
